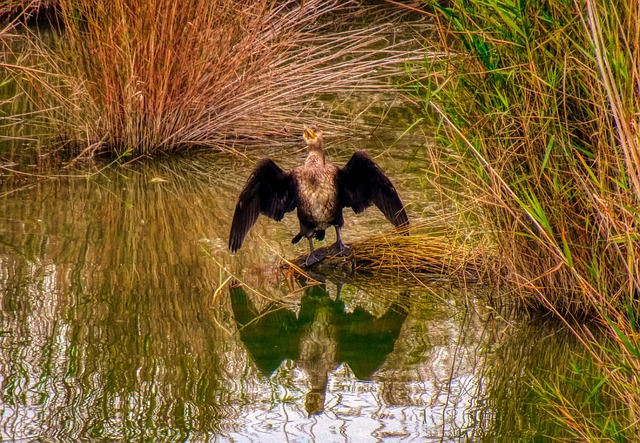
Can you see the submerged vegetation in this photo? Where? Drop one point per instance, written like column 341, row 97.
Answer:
column 540, row 111
column 144, row 77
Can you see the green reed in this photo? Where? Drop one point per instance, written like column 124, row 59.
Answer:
column 539, row 106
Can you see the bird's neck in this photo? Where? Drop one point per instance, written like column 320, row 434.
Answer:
column 316, row 156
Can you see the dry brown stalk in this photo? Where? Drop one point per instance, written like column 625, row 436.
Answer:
column 142, row 77
column 421, row 255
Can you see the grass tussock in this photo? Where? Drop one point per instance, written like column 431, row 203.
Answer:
column 143, row 77
column 423, row 255
column 540, row 112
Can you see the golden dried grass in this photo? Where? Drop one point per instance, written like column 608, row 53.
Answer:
column 142, row 77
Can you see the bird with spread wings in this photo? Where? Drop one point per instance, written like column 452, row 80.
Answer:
column 319, row 191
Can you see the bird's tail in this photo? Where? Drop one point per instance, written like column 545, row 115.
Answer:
column 297, row 238
column 319, row 235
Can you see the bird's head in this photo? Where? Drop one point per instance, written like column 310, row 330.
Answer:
column 313, row 137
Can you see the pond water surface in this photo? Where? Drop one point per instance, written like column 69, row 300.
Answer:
column 119, row 321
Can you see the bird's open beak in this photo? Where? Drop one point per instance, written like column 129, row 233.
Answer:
column 309, row 134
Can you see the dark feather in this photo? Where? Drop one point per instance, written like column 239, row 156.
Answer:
column 269, row 191
column 362, row 183
column 319, row 234
column 320, row 191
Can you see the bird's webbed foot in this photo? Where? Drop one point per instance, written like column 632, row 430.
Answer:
column 315, row 256
column 339, row 248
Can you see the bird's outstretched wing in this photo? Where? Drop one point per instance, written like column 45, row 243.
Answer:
column 269, row 191
column 362, row 183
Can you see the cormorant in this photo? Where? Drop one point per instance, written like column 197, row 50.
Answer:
column 319, row 190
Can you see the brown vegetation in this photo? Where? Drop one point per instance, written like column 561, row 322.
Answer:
column 141, row 77
column 539, row 105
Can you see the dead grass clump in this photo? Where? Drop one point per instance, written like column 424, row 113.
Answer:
column 421, row 255
column 143, row 76
column 424, row 255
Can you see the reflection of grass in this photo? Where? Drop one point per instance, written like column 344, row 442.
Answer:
column 145, row 77
column 523, row 352
column 540, row 108
column 593, row 417
column 128, row 282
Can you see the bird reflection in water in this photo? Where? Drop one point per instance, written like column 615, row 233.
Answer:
column 321, row 337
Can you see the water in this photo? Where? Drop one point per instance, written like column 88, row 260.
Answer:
column 119, row 321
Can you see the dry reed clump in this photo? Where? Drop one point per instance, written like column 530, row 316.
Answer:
column 142, row 76
column 542, row 136
column 423, row 255
column 540, row 107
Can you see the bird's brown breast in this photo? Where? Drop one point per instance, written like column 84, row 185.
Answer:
column 317, row 193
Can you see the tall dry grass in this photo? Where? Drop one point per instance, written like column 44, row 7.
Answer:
column 146, row 76
column 540, row 109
